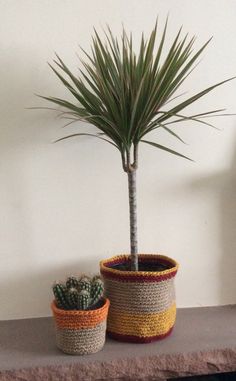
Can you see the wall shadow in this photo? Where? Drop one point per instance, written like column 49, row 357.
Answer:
column 228, row 235
column 222, row 186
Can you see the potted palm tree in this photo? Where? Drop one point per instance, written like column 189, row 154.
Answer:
column 126, row 95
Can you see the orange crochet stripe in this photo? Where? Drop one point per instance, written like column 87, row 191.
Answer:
column 79, row 319
column 142, row 325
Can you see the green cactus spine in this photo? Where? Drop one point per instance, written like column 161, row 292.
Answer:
column 60, row 293
column 95, row 277
column 72, row 297
column 97, row 290
column 84, row 284
column 72, row 282
column 78, row 294
column 83, row 300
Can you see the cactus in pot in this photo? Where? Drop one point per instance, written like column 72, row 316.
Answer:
column 60, row 294
column 84, row 284
column 78, row 294
column 72, row 296
column 83, row 300
column 71, row 282
column 80, row 313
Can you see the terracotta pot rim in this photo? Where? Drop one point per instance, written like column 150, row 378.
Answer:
column 107, row 269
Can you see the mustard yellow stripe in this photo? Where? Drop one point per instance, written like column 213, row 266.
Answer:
column 142, row 325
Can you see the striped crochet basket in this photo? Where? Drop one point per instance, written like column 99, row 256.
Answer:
column 80, row 332
column 143, row 307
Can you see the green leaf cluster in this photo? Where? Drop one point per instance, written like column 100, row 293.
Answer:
column 127, row 94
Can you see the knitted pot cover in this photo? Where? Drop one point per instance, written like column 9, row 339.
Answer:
column 143, row 305
column 80, row 332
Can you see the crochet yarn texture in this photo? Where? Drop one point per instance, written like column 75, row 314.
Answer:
column 82, row 331
column 143, row 307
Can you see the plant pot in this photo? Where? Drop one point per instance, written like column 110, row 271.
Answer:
column 143, row 307
column 80, row 332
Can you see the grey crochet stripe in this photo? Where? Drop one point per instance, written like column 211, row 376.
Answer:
column 140, row 297
column 81, row 341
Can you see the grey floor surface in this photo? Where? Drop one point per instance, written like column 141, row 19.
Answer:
column 31, row 342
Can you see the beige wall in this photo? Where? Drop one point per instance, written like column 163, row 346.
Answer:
column 64, row 206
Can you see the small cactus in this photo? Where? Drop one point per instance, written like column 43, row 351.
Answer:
column 95, row 277
column 72, row 282
column 80, row 294
column 84, row 284
column 60, row 293
column 97, row 290
column 83, row 300
column 72, row 297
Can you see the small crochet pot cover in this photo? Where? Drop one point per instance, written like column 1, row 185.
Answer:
column 143, row 307
column 80, row 332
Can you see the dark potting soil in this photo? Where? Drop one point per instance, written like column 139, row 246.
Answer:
column 143, row 266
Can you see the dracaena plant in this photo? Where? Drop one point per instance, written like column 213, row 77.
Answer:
column 126, row 94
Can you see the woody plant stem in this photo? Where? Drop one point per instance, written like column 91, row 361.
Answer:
column 130, row 169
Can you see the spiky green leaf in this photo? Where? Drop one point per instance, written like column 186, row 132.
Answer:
column 123, row 92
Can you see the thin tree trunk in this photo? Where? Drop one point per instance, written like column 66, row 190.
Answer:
column 133, row 219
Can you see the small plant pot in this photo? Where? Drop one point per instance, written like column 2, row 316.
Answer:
column 143, row 307
column 80, row 332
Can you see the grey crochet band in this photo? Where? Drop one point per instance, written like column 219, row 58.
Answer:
column 81, row 341
column 140, row 297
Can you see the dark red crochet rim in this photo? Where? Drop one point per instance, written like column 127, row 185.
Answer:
column 137, row 339
column 136, row 276
column 144, row 258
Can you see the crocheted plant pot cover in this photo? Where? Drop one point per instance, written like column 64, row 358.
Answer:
column 80, row 332
column 143, row 307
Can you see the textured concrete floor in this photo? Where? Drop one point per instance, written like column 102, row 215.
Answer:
column 207, row 333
